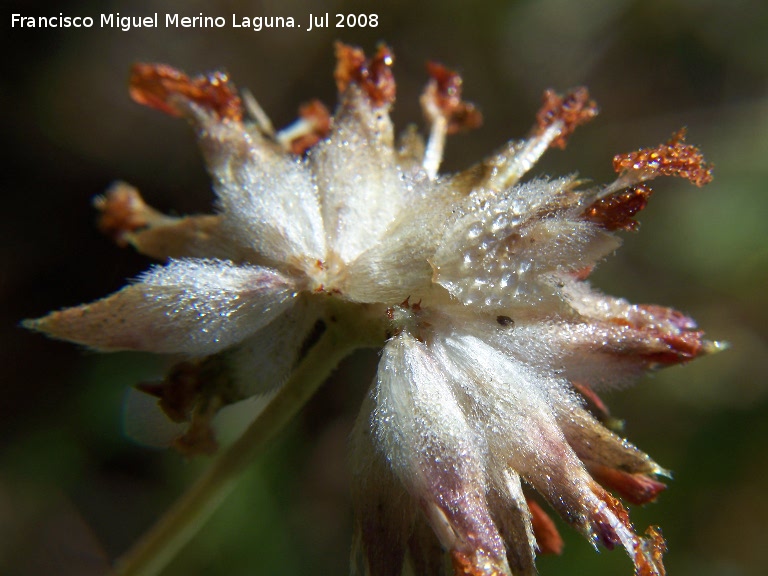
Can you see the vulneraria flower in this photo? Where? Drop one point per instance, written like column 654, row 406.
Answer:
column 474, row 285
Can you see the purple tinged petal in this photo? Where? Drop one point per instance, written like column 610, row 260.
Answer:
column 419, row 426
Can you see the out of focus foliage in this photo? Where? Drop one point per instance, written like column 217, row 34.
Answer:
column 74, row 491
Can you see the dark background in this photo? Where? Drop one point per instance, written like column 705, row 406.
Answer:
column 74, row 491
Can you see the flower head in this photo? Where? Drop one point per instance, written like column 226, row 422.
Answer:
column 474, row 284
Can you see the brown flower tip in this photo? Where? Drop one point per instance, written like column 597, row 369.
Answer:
column 662, row 336
column 444, row 90
column 684, row 346
column 571, row 110
column 675, row 158
column 159, row 85
column 372, row 75
column 611, row 526
column 610, row 520
column 634, row 488
column 548, row 539
column 192, row 393
column 317, row 120
column 475, row 564
column 122, row 211
column 649, row 553
column 615, row 212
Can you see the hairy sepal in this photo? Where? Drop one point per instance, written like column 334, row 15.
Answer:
column 357, row 175
column 267, row 197
column 435, row 452
column 192, row 307
column 503, row 252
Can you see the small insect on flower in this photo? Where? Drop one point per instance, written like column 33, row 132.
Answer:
column 484, row 410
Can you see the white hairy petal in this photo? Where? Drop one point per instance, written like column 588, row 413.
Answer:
column 434, row 450
column 268, row 198
column 513, row 409
column 193, row 307
column 360, row 184
column 416, row 416
column 400, row 265
column 520, row 412
column 501, row 253
column 513, row 517
column 595, row 444
column 511, row 403
column 608, row 342
column 548, row 351
column 573, row 348
column 384, row 511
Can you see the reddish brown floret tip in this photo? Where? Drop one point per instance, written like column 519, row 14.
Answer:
column 476, row 564
column 160, row 86
column 319, row 119
column 582, row 273
column 316, row 112
column 685, row 346
column 572, row 110
column 445, row 90
column 649, row 554
column 675, row 158
column 122, row 211
column 605, row 529
column 373, row 75
column 615, row 212
column 548, row 539
column 594, row 403
column 634, row 488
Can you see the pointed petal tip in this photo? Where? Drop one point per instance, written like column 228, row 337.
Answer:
column 32, row 324
column 663, row 472
column 78, row 324
column 634, row 488
column 709, row 347
column 548, row 539
column 48, row 325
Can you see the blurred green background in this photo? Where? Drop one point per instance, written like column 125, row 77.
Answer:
column 75, row 492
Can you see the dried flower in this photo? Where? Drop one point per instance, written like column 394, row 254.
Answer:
column 474, row 284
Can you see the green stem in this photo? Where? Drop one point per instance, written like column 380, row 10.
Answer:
column 176, row 528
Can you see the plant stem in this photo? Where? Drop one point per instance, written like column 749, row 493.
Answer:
column 176, row 528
